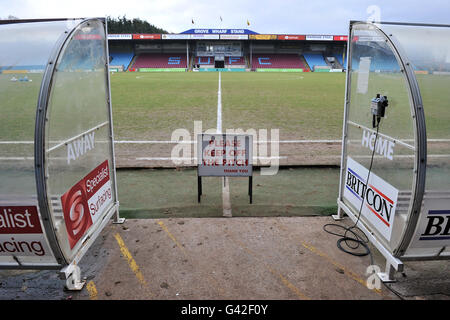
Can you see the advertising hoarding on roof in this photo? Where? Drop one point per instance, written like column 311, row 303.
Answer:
column 319, row 37
column 234, row 37
column 146, row 36
column 127, row 36
column 262, row 37
column 340, row 38
column 291, row 37
column 204, row 36
column 175, row 36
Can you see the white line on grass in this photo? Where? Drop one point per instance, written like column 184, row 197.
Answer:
column 195, row 142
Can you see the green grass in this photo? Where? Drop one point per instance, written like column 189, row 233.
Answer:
column 151, row 106
column 300, row 105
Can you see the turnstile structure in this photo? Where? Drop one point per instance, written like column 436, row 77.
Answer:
column 57, row 171
column 404, row 207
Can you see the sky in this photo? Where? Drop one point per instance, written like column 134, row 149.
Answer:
column 264, row 16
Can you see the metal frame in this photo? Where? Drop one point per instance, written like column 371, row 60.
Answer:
column 69, row 269
column 117, row 218
column 39, row 147
column 418, row 186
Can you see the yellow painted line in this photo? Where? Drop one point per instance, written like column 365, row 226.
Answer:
column 283, row 279
column 349, row 273
column 93, row 294
column 131, row 262
column 163, row 226
column 289, row 284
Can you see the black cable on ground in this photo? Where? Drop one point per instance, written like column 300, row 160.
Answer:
column 357, row 240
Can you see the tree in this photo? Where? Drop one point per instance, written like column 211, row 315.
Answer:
column 10, row 17
column 136, row 25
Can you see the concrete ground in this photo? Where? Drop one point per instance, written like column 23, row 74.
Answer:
column 281, row 258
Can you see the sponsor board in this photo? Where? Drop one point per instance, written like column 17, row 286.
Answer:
column 262, row 37
column 380, row 198
column 291, row 37
column 319, row 37
column 233, row 37
column 225, row 155
column 21, row 232
column 146, row 36
column 433, row 227
column 205, row 36
column 340, row 38
column 120, row 36
column 86, row 202
column 175, row 36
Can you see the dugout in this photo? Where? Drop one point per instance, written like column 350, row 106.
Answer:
column 404, row 148
column 57, row 171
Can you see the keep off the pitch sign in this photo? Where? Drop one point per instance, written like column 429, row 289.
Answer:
column 224, row 155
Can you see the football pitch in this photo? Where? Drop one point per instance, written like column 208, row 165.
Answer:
column 302, row 107
column 305, row 109
column 152, row 105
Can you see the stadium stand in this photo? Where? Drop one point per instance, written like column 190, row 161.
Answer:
column 160, row 60
column 121, row 59
column 381, row 60
column 281, row 61
column 234, row 61
column 339, row 58
column 315, row 60
column 204, row 61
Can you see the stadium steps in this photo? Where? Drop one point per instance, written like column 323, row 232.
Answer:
column 307, row 68
column 132, row 62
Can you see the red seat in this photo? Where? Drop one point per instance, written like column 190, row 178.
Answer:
column 160, row 60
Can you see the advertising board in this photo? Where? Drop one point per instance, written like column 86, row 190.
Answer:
column 86, row 202
column 120, row 36
column 380, row 198
column 262, row 37
column 291, row 37
column 21, row 232
column 146, row 36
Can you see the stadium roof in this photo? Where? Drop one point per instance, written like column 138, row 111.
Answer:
column 219, row 31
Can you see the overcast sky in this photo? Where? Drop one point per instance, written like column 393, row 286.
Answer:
column 265, row 16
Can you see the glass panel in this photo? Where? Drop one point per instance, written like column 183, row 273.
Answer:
column 25, row 50
column 428, row 51
column 78, row 141
column 376, row 71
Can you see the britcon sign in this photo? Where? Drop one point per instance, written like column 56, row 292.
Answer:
column 21, row 232
column 380, row 198
column 86, row 202
column 433, row 228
